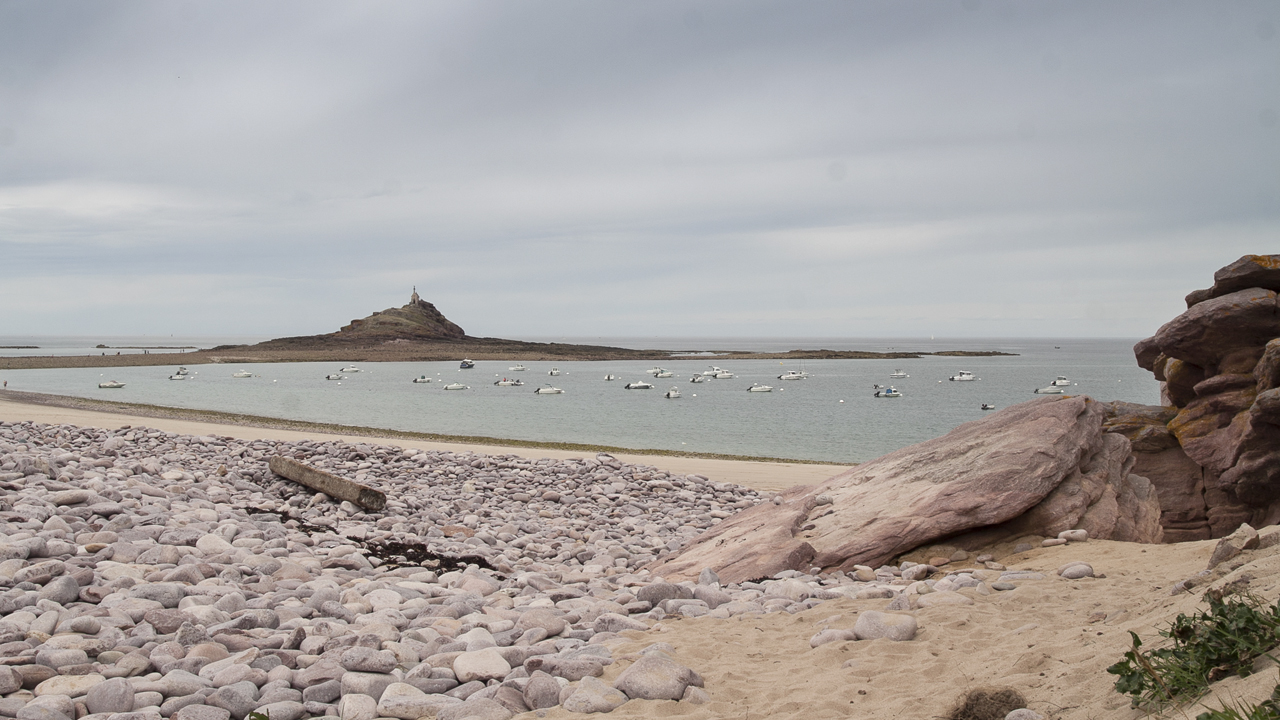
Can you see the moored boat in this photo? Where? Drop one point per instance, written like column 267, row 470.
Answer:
column 962, row 376
column 422, row 379
column 517, row 368
column 553, row 372
column 350, row 369
column 466, row 364
column 793, row 375
column 1050, row 390
column 456, row 386
column 548, row 390
column 1062, row 381
column 504, row 382
column 699, row 379
column 242, row 374
column 898, row 374
column 757, row 387
column 639, row 385
column 111, row 384
column 889, row 392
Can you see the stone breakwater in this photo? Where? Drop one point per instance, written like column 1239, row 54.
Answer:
column 147, row 574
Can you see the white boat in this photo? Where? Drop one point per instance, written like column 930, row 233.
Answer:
column 517, row 368
column 422, row 379
column 113, row 384
column 699, row 378
column 898, row 374
column 724, row 375
column 504, row 382
column 664, row 374
column 456, row 386
column 554, row 372
column 673, row 393
column 548, row 390
column 962, row 376
column 757, row 387
column 654, row 370
column 793, row 375
column 611, row 376
column 712, row 372
column 641, row 385
column 242, row 374
column 334, row 376
column 986, row 406
column 890, row 392
column 350, row 369
column 181, row 371
column 1050, row 390
column 1062, row 381
column 466, row 364
column 180, row 377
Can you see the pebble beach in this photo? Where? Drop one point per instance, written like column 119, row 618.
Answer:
column 150, row 573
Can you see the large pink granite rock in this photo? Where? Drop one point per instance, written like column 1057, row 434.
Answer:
column 1250, row 271
column 1042, row 466
column 1212, row 329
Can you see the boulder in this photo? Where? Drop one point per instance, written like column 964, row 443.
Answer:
column 1250, row 271
column 983, row 476
column 1210, row 330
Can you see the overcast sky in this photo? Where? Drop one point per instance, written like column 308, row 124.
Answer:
column 538, row 169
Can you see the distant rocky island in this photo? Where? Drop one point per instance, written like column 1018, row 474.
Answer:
column 419, row 332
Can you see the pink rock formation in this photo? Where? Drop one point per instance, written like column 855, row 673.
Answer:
column 1037, row 468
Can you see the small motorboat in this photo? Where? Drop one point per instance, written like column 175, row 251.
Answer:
column 793, row 375
column 641, row 385
column 898, row 374
column 611, row 376
column 712, row 372
column 699, row 379
column 350, row 369
column 876, row 386
column 504, row 382
column 334, row 376
column 757, row 387
column 988, row 406
column 1062, row 381
column 890, row 391
column 456, row 386
column 517, row 368
column 724, row 375
column 664, row 374
column 181, row 371
column 962, row 376
column 548, row 390
column 176, row 376
column 673, row 393
column 654, row 370
column 242, row 374
column 111, row 384
column 422, row 379
column 553, row 372
column 1050, row 390
column 466, row 364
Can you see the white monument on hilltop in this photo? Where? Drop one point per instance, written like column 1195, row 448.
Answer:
column 413, row 299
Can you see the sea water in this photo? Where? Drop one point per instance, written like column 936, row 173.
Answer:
column 831, row 416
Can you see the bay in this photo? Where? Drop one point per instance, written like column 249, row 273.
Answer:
column 832, row 416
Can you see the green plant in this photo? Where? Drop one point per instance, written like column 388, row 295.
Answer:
column 1266, row 710
column 1205, row 647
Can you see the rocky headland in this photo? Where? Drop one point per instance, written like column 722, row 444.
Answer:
column 418, row 332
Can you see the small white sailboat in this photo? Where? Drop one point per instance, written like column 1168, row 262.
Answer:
column 422, row 379
column 962, row 376
column 673, row 393
column 517, row 368
column 889, row 392
column 898, row 374
column 639, row 385
column 456, row 386
column 111, row 384
column 548, row 390
column 1050, row 390
column 242, row 374
column 553, row 372
column 1062, row 381
column 757, row 387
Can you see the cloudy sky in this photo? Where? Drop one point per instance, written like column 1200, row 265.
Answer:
column 540, row 169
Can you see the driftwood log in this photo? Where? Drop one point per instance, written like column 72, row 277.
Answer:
column 329, row 484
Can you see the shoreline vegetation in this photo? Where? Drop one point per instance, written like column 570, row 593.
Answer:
column 479, row 349
column 259, row 421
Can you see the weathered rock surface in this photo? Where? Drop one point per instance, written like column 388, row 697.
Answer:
column 1217, row 363
column 1040, row 467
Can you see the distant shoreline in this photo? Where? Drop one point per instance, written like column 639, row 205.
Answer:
column 479, row 349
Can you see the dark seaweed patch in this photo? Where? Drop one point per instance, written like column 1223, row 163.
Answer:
column 400, row 554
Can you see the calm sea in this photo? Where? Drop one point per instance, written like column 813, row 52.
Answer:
column 831, row 416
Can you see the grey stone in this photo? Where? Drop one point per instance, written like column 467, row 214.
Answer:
column 62, row 590
column 363, row 659
column 361, row 683
column 592, row 696
column 409, row 703
column 239, row 699
column 283, row 710
column 656, row 677
column 476, row 709
column 202, row 712
column 542, row 691
column 893, row 626
column 111, row 696
column 325, row 692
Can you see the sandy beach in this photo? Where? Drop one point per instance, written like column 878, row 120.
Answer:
column 766, row 476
